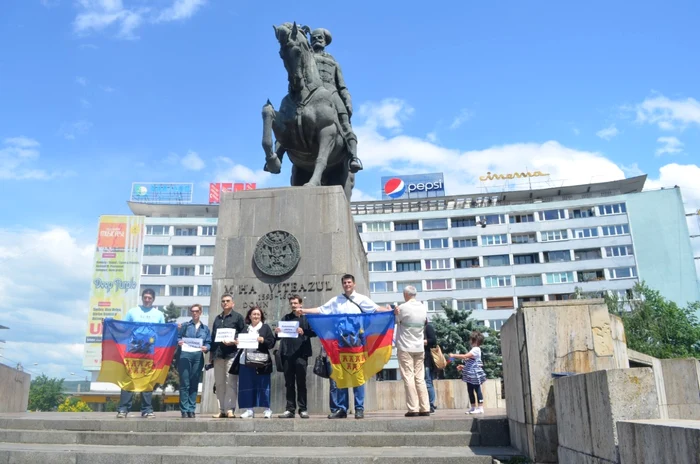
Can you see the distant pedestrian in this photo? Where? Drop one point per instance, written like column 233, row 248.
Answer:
column 473, row 372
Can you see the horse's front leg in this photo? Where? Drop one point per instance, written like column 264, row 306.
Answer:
column 326, row 144
column 272, row 161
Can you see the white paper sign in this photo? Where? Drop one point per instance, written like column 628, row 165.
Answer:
column 191, row 345
column 225, row 335
column 288, row 329
column 248, row 341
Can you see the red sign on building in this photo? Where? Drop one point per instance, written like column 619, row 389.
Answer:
column 215, row 190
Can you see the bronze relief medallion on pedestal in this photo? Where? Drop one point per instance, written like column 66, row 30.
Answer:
column 277, row 253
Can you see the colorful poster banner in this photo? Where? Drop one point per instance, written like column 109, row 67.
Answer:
column 115, row 280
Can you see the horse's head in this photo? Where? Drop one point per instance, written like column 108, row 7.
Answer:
column 295, row 53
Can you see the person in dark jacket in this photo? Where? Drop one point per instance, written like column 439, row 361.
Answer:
column 191, row 361
column 295, row 353
column 222, row 356
column 254, row 383
column 430, row 341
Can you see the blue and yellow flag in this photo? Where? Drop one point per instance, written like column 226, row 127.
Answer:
column 136, row 355
column 358, row 345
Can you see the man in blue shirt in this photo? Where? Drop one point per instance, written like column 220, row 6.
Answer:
column 143, row 313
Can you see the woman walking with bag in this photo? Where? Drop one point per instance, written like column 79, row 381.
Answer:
column 255, row 367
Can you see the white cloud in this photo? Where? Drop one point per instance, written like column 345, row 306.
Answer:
column 85, row 103
column 669, row 114
column 671, row 145
column 18, row 155
column 608, row 133
column 386, row 114
column 108, row 89
column 70, row 130
column 463, row 117
column 359, row 195
column 181, row 9
column 192, row 162
column 228, row 170
column 80, row 80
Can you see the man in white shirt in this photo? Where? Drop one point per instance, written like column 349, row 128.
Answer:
column 410, row 319
column 349, row 302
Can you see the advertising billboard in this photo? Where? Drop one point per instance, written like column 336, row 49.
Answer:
column 215, row 189
column 413, row 186
column 115, row 278
column 164, row 193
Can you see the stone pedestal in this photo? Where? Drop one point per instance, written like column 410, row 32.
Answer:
column 329, row 246
column 670, row 441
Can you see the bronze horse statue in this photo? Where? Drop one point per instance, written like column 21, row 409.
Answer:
column 307, row 126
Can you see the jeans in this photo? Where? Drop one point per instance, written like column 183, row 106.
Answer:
column 126, row 397
column 339, row 399
column 429, row 385
column 295, row 382
column 189, row 366
column 472, row 389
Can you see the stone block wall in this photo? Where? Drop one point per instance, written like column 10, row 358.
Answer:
column 14, row 388
column 682, row 386
column 663, row 441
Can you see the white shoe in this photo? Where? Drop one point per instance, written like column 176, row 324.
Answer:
column 249, row 414
column 478, row 411
column 471, row 411
column 268, row 413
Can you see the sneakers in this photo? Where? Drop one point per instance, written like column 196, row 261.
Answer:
column 304, row 414
column 479, row 410
column 121, row 415
column 249, row 414
column 148, row 415
column 287, row 415
column 267, row 414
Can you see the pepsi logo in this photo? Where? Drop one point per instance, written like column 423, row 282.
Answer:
column 394, row 188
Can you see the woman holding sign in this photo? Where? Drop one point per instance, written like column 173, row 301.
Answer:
column 255, row 364
column 194, row 339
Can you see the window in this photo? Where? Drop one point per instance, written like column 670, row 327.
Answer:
column 157, row 230
column 620, row 229
column 206, row 250
column 463, row 263
column 557, row 256
column 561, row 297
column 185, row 231
column 523, row 238
column 378, row 226
column 435, row 243
column 203, row 290
column 182, row 270
column 155, row 250
column 585, row 233
column 407, row 266
column 359, row 228
column 499, row 303
column 184, row 290
column 464, row 242
column 401, row 285
column 184, row 311
column 497, row 324
column 500, row 239
column 464, row 222
column 407, row 246
column 378, row 246
column 437, row 264
column 582, row 213
column 552, row 215
column 435, row 224
column 532, row 258
column 497, row 281
column 590, row 276
column 528, row 281
column 518, row 218
column 468, row 284
column 438, row 284
column 618, row 251
column 381, row 287
column 496, row 260
column 381, row 266
column 554, row 235
column 560, row 277
column 184, row 250
column 583, row 255
column 437, row 305
column 159, row 290
column 606, row 210
column 206, row 269
column 529, row 299
column 470, row 305
column 209, row 231
column 493, row 219
column 622, row 272
column 153, row 269
column 406, row 225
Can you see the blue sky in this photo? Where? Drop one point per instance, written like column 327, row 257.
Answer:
column 97, row 94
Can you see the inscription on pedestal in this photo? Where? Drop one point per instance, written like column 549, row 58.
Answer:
column 262, row 294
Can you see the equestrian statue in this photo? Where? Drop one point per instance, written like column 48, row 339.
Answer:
column 313, row 123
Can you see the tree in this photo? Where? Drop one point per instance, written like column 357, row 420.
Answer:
column 73, row 404
column 171, row 312
column 453, row 331
column 45, row 394
column 656, row 326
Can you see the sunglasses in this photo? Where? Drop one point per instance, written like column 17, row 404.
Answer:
column 227, row 301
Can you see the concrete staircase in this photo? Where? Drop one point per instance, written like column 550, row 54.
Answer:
column 97, row 438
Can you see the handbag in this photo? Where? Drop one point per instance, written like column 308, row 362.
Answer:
column 256, row 359
column 322, row 367
column 438, row 358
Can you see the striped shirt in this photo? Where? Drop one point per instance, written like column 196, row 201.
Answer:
column 473, row 372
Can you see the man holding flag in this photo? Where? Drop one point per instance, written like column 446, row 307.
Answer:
column 358, row 346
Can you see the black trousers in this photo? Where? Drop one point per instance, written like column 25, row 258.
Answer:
column 475, row 393
column 294, row 369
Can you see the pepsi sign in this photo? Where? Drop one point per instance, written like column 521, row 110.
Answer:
column 413, row 186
